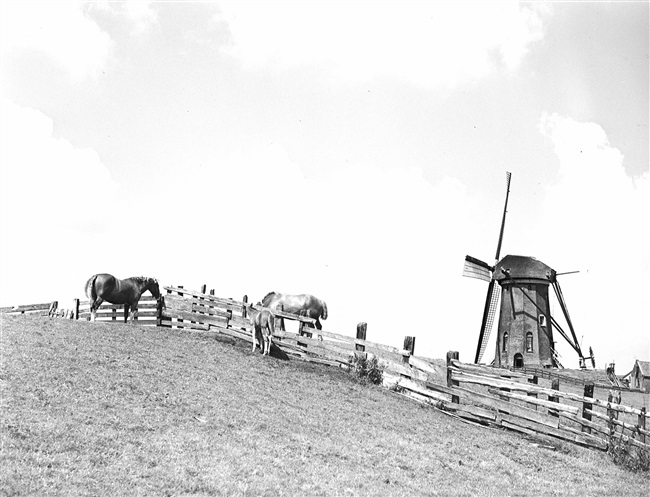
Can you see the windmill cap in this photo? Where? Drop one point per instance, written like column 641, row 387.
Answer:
column 523, row 267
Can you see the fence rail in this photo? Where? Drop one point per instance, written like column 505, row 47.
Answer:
column 512, row 399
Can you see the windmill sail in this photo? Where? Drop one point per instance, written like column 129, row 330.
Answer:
column 491, row 303
column 475, row 268
column 503, row 220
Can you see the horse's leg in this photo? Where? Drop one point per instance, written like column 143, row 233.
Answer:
column 134, row 312
column 94, row 305
column 270, row 328
column 253, row 336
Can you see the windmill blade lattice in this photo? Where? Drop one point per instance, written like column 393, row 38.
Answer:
column 491, row 304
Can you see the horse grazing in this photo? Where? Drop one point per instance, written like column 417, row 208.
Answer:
column 301, row 305
column 105, row 287
column 263, row 328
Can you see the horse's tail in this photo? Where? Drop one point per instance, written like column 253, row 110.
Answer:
column 324, row 313
column 90, row 288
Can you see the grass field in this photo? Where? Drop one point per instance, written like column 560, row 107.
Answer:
column 113, row 409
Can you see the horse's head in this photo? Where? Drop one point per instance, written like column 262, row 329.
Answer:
column 251, row 312
column 153, row 287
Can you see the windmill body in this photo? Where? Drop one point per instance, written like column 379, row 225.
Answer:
column 525, row 329
column 524, row 333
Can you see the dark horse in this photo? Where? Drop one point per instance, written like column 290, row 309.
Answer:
column 302, row 305
column 105, row 287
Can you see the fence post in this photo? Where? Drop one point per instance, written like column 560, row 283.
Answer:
column 75, row 308
column 555, row 385
column 245, row 301
column 203, row 288
column 180, row 294
column 54, row 305
column 160, row 303
column 409, row 344
column 451, row 383
column 534, row 381
column 642, row 425
column 589, row 392
column 362, row 331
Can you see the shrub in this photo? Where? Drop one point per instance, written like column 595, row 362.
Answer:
column 367, row 370
column 629, row 456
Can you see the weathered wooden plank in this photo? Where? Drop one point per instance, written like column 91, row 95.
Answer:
column 528, row 388
column 286, row 346
column 235, row 333
column 535, row 401
column 413, row 386
column 192, row 316
column 564, row 434
column 478, row 412
column 582, row 421
column 176, row 303
column 26, row 308
column 185, row 325
column 402, row 369
column 312, row 344
column 212, row 311
column 472, row 397
column 439, row 388
column 490, row 371
column 209, row 298
column 422, row 365
column 617, row 422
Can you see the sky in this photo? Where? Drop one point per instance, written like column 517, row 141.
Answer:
column 355, row 151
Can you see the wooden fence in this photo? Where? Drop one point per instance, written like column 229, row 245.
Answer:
column 199, row 311
column 39, row 309
column 517, row 400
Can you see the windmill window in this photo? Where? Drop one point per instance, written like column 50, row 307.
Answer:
column 505, row 340
column 542, row 320
column 529, row 342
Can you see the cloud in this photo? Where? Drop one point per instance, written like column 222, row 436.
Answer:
column 597, row 219
column 53, row 202
column 417, row 43
column 61, row 30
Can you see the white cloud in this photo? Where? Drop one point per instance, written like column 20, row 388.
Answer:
column 61, row 30
column 427, row 44
column 138, row 14
column 597, row 219
column 56, row 202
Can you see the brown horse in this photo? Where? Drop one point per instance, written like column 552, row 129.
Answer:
column 301, row 305
column 105, row 287
column 263, row 326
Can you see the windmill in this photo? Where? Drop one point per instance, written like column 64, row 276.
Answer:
column 525, row 330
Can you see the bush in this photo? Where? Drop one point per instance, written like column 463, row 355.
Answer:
column 629, row 456
column 366, row 370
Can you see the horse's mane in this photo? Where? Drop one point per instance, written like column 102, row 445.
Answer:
column 268, row 295
column 143, row 279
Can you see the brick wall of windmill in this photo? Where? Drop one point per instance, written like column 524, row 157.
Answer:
column 524, row 319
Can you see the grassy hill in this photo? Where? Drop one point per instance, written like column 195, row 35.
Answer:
column 114, row 409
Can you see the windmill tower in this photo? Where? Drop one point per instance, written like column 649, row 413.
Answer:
column 526, row 326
